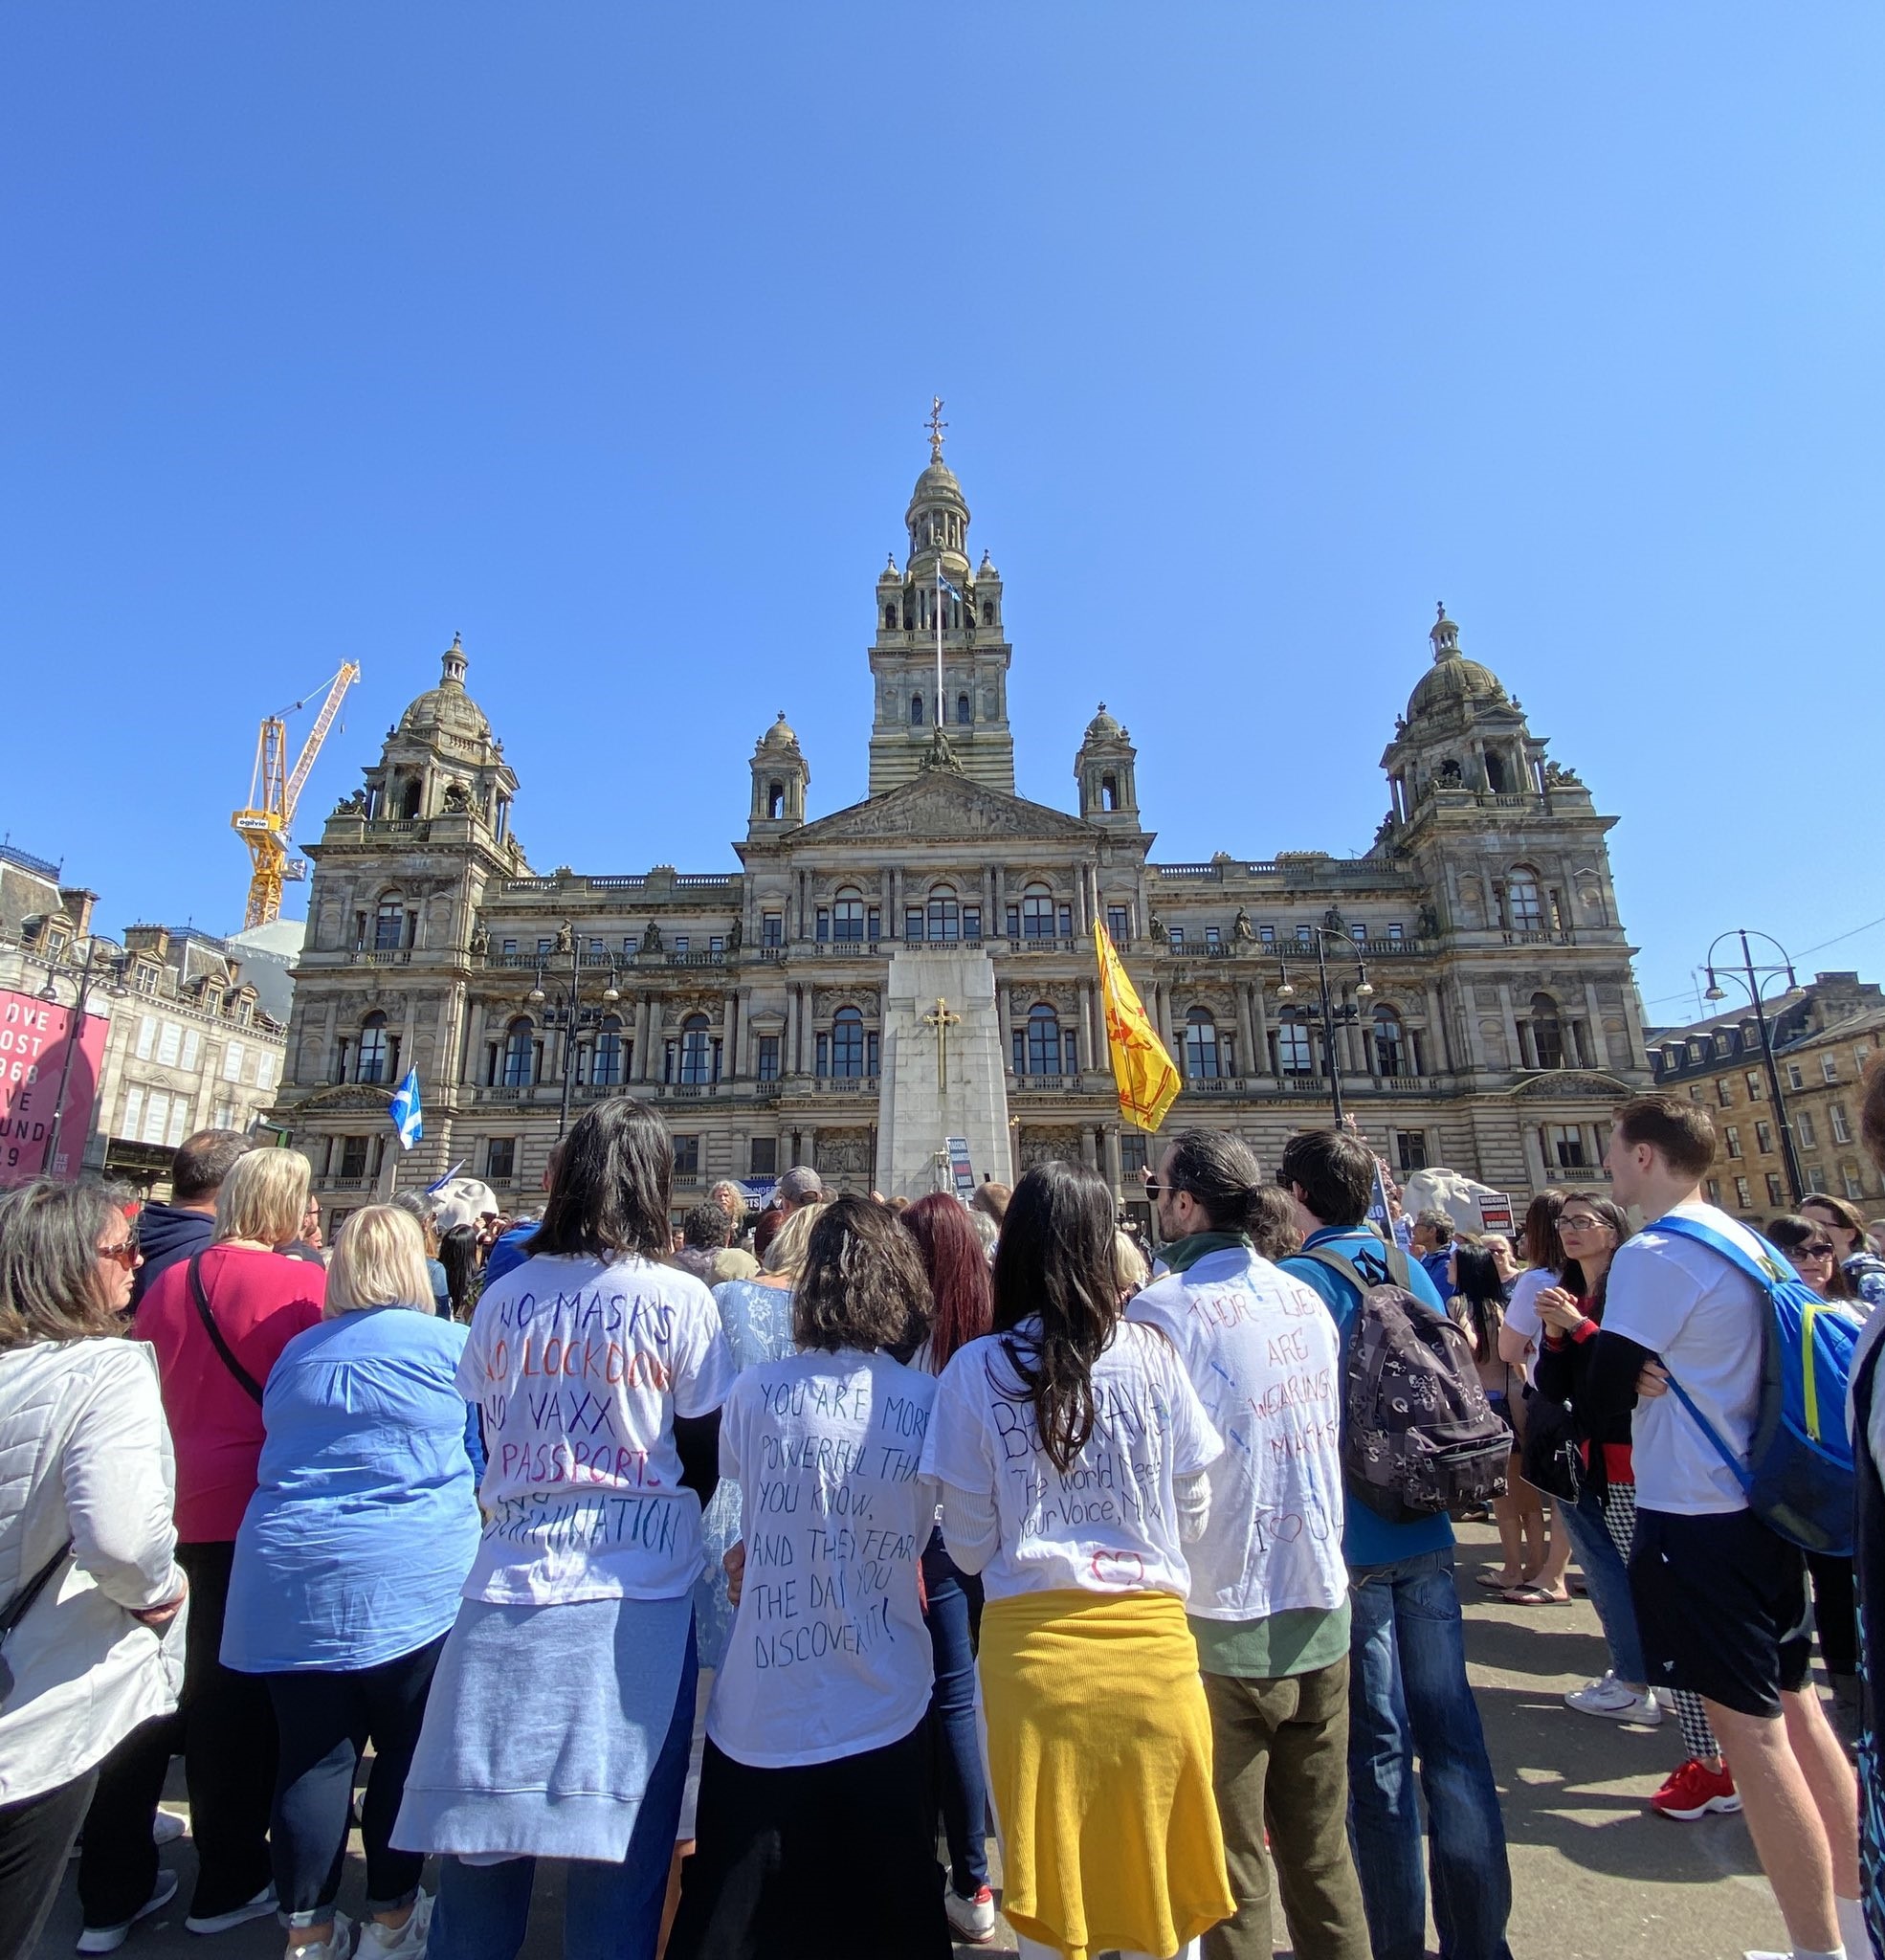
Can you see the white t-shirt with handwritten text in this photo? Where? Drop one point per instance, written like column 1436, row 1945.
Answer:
column 1262, row 1351
column 579, row 1369
column 829, row 1655
column 1109, row 1521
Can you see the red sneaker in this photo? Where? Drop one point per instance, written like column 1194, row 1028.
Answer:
column 1695, row 1790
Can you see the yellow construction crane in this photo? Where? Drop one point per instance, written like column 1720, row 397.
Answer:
column 273, row 790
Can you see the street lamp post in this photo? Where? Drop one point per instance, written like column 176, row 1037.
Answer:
column 74, row 1033
column 567, row 1014
column 1754, row 978
column 1334, row 1011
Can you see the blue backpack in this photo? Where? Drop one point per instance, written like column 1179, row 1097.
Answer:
column 1798, row 1475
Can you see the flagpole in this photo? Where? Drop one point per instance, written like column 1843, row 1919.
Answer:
column 939, row 636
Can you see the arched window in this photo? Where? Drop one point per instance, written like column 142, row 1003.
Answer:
column 1495, row 780
column 847, row 916
column 943, row 917
column 962, row 711
column 988, row 611
column 371, row 1066
column 519, row 1054
column 847, row 1042
column 696, row 1050
column 1200, row 1046
column 775, row 799
column 915, row 711
column 1043, row 1040
column 1036, row 912
column 1523, row 902
column 890, row 615
column 389, row 925
column 1391, row 1043
column 1293, row 1055
column 409, row 799
column 609, row 1053
column 1548, row 1031
column 1109, row 793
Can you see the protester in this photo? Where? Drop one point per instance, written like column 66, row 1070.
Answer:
column 187, row 1223
column 1720, row 1599
column 1408, row 1695
column 819, row 1711
column 731, row 1198
column 306, row 1243
column 1130, row 1265
column 991, row 1200
column 961, row 1311
column 1867, row 1430
column 346, row 1575
column 512, row 1246
column 419, row 1210
column 1544, row 1254
column 1269, row 1611
column 1858, row 1258
column 560, row 1713
column 93, row 1593
column 800, row 1186
column 1271, row 1223
column 1477, row 1301
column 218, row 1320
column 1433, row 1246
column 1096, row 1729
column 464, row 1273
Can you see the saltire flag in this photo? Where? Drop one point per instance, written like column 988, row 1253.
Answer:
column 406, row 1118
column 1148, row 1079
column 944, row 585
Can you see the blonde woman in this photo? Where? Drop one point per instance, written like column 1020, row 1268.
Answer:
column 348, row 1570
column 217, row 1321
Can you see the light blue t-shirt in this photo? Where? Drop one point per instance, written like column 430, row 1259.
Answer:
column 1368, row 1538
column 365, row 1519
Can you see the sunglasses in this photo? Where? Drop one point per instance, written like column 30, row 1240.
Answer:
column 1155, row 1191
column 125, row 1253
column 1814, row 1249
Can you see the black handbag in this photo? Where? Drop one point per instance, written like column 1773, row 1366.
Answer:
column 1550, row 1455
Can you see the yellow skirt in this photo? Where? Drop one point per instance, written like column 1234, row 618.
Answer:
column 1100, row 1763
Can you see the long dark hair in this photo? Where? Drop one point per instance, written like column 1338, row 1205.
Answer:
column 1054, row 1260
column 962, row 1306
column 1572, row 1276
column 863, row 1284
column 1220, row 1170
column 457, row 1254
column 1793, row 1231
column 610, row 1196
column 1543, row 1248
column 1476, row 1283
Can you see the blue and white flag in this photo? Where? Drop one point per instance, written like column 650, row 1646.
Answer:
column 944, row 585
column 406, row 1116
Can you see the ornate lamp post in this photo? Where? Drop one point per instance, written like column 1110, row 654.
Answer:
column 1333, row 1011
column 1755, row 977
column 74, row 1033
column 566, row 1015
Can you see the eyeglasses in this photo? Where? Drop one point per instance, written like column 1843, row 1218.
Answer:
column 125, row 1253
column 1815, row 1249
column 1581, row 1225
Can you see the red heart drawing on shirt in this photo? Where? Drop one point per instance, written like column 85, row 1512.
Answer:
column 1122, row 1569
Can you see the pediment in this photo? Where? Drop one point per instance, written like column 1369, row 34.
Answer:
column 1559, row 1083
column 942, row 807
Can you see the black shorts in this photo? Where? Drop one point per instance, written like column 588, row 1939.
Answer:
column 1721, row 1607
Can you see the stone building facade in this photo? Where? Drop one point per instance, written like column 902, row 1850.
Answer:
column 1502, row 1029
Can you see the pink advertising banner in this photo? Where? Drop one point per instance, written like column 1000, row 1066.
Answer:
column 35, row 1037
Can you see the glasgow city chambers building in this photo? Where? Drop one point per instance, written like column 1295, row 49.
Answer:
column 1480, row 1001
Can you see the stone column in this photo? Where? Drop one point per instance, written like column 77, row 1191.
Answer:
column 1094, row 1054
column 1005, row 999
column 1535, row 1163
column 1439, row 1050
column 1247, row 1055
column 1110, row 1144
column 1259, row 1030
column 790, row 1063
column 730, row 1056
column 1090, row 1147
column 1510, row 1021
column 1593, row 1016
column 643, row 1039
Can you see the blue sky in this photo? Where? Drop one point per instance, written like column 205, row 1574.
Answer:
column 604, row 335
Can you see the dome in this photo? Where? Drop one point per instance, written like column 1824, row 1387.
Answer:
column 447, row 708
column 937, row 484
column 890, row 575
column 779, row 735
column 986, row 568
column 1452, row 677
column 1103, row 728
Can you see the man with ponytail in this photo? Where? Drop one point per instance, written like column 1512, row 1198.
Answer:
column 1269, row 1605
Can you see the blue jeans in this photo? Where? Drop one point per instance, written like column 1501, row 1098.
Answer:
column 1408, row 1697
column 610, row 1911
column 1606, row 1578
column 955, row 1607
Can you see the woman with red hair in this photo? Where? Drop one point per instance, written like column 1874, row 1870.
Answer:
column 963, row 1312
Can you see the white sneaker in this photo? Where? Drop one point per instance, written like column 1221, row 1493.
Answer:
column 1617, row 1700
column 337, row 1945
column 408, row 1941
column 974, row 1919
column 262, row 1903
column 166, row 1828
column 107, row 1939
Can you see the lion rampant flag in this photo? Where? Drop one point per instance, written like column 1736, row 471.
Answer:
column 1146, row 1076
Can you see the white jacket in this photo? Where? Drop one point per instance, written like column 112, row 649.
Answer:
column 84, row 1455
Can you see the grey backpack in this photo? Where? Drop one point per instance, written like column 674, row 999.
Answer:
column 1418, row 1436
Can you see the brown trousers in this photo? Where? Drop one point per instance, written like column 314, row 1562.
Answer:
column 1280, row 1759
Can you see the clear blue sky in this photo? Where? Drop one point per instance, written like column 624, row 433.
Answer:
column 604, row 335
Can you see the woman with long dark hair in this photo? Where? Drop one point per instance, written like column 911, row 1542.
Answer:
column 560, row 1713
column 464, row 1270
column 1477, row 1301
column 1859, row 1265
column 962, row 1311
column 1071, row 1449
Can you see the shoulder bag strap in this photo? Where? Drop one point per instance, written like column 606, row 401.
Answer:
column 1767, row 1272
column 250, row 1386
column 21, row 1603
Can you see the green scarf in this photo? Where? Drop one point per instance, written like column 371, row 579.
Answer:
column 1183, row 1253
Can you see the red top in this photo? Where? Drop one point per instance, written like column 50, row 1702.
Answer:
column 260, row 1301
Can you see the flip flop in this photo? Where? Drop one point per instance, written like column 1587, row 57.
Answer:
column 1491, row 1581
column 1529, row 1595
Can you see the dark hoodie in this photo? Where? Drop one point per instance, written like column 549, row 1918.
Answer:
column 166, row 1234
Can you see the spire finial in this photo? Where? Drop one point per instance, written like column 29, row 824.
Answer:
column 936, row 426
column 1440, row 609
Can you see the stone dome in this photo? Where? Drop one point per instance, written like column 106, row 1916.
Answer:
column 1452, row 678
column 937, row 480
column 779, row 735
column 890, row 575
column 447, row 708
column 1102, row 728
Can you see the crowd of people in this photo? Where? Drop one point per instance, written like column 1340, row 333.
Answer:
column 756, row 1570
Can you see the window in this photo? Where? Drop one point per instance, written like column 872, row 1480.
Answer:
column 1293, row 1051
column 510, row 948
column 1213, row 936
column 169, row 1044
column 1795, row 1079
column 915, row 711
column 847, row 1042
column 1175, row 938
column 772, row 928
column 1395, row 933
column 1841, row 1123
column 1109, row 793
column 1523, row 902
column 1815, row 1179
column 1721, row 1045
column 824, row 923
column 1132, row 1158
column 717, row 944
column 1119, row 925
column 1851, row 1181
column 1742, row 1199
column 962, row 711
column 942, row 918
column 1266, row 935
column 1714, row 1189
column 1764, row 1138
column 1753, row 1082
column 544, row 946
column 847, row 917
column 1358, row 934
column 680, row 942
column 390, row 927
column 687, row 1156
column 1861, row 1054
column 501, row 1159
column 370, row 1057
column 971, row 922
column 1201, row 1052
column 1548, row 1031
column 1804, row 1128
column 192, row 1048
column 1731, row 1140
column 1828, row 1068
column 232, row 1062
column 913, row 924
column 1565, row 1147
column 519, row 1054
column 697, row 1057
column 1043, row 1040
column 1776, row 1194
column 1391, row 1044
column 1036, row 912
column 1410, row 1149
column 762, row 1156
column 1724, row 1093
column 768, row 1058
column 1304, row 934
column 608, row 1070
column 133, row 1112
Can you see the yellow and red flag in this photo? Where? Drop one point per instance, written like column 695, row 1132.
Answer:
column 1146, row 1076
